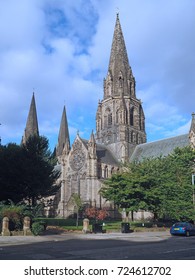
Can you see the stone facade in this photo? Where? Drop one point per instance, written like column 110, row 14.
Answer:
column 120, row 137
column 120, row 126
column 82, row 174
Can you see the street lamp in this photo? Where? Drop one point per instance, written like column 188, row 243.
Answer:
column 193, row 195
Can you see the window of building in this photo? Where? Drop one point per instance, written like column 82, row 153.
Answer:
column 132, row 116
column 110, row 119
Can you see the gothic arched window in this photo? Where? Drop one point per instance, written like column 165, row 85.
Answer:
column 120, row 78
column 117, row 116
column 132, row 116
column 106, row 171
column 109, row 119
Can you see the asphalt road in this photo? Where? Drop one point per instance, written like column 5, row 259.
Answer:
column 111, row 246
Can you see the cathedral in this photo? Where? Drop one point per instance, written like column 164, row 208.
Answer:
column 120, row 137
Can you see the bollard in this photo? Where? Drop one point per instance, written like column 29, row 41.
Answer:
column 5, row 227
column 26, row 226
column 86, row 226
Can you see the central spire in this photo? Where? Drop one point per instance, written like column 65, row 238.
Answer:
column 118, row 49
column 120, row 122
column 119, row 80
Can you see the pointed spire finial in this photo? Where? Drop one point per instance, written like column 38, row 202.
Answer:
column 117, row 13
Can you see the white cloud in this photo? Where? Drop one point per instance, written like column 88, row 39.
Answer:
column 62, row 48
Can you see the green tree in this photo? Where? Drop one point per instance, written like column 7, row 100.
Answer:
column 178, row 187
column 124, row 191
column 160, row 185
column 12, row 164
column 77, row 202
column 151, row 177
column 40, row 174
column 27, row 172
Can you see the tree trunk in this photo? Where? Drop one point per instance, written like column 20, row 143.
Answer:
column 77, row 220
column 132, row 216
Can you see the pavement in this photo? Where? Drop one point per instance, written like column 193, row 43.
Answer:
column 133, row 236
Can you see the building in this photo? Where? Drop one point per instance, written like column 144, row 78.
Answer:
column 120, row 136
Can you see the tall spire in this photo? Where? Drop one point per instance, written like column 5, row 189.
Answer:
column 118, row 49
column 32, row 122
column 119, row 80
column 120, row 122
column 63, row 138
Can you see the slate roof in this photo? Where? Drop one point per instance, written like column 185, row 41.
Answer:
column 103, row 154
column 106, row 155
column 159, row 148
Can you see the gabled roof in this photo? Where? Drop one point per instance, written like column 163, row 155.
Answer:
column 159, row 148
column 103, row 153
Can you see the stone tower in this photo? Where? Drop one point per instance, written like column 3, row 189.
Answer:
column 32, row 122
column 120, row 121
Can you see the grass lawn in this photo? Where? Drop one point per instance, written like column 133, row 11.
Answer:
column 108, row 225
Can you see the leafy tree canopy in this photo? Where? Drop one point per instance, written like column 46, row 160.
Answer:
column 160, row 185
column 27, row 172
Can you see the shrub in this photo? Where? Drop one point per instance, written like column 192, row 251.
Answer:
column 37, row 228
column 97, row 214
column 14, row 213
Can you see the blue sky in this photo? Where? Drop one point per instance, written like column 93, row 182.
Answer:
column 60, row 50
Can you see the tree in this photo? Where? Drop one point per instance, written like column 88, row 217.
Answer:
column 27, row 172
column 179, row 192
column 123, row 189
column 41, row 176
column 77, row 202
column 151, row 176
column 160, row 185
column 12, row 165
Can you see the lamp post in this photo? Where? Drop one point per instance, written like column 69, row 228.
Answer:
column 193, row 194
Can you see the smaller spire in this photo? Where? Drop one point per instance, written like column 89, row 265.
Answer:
column 92, row 137
column 63, row 137
column 92, row 146
column 32, row 122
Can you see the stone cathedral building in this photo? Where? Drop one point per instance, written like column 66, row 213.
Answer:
column 120, row 126
column 120, row 136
